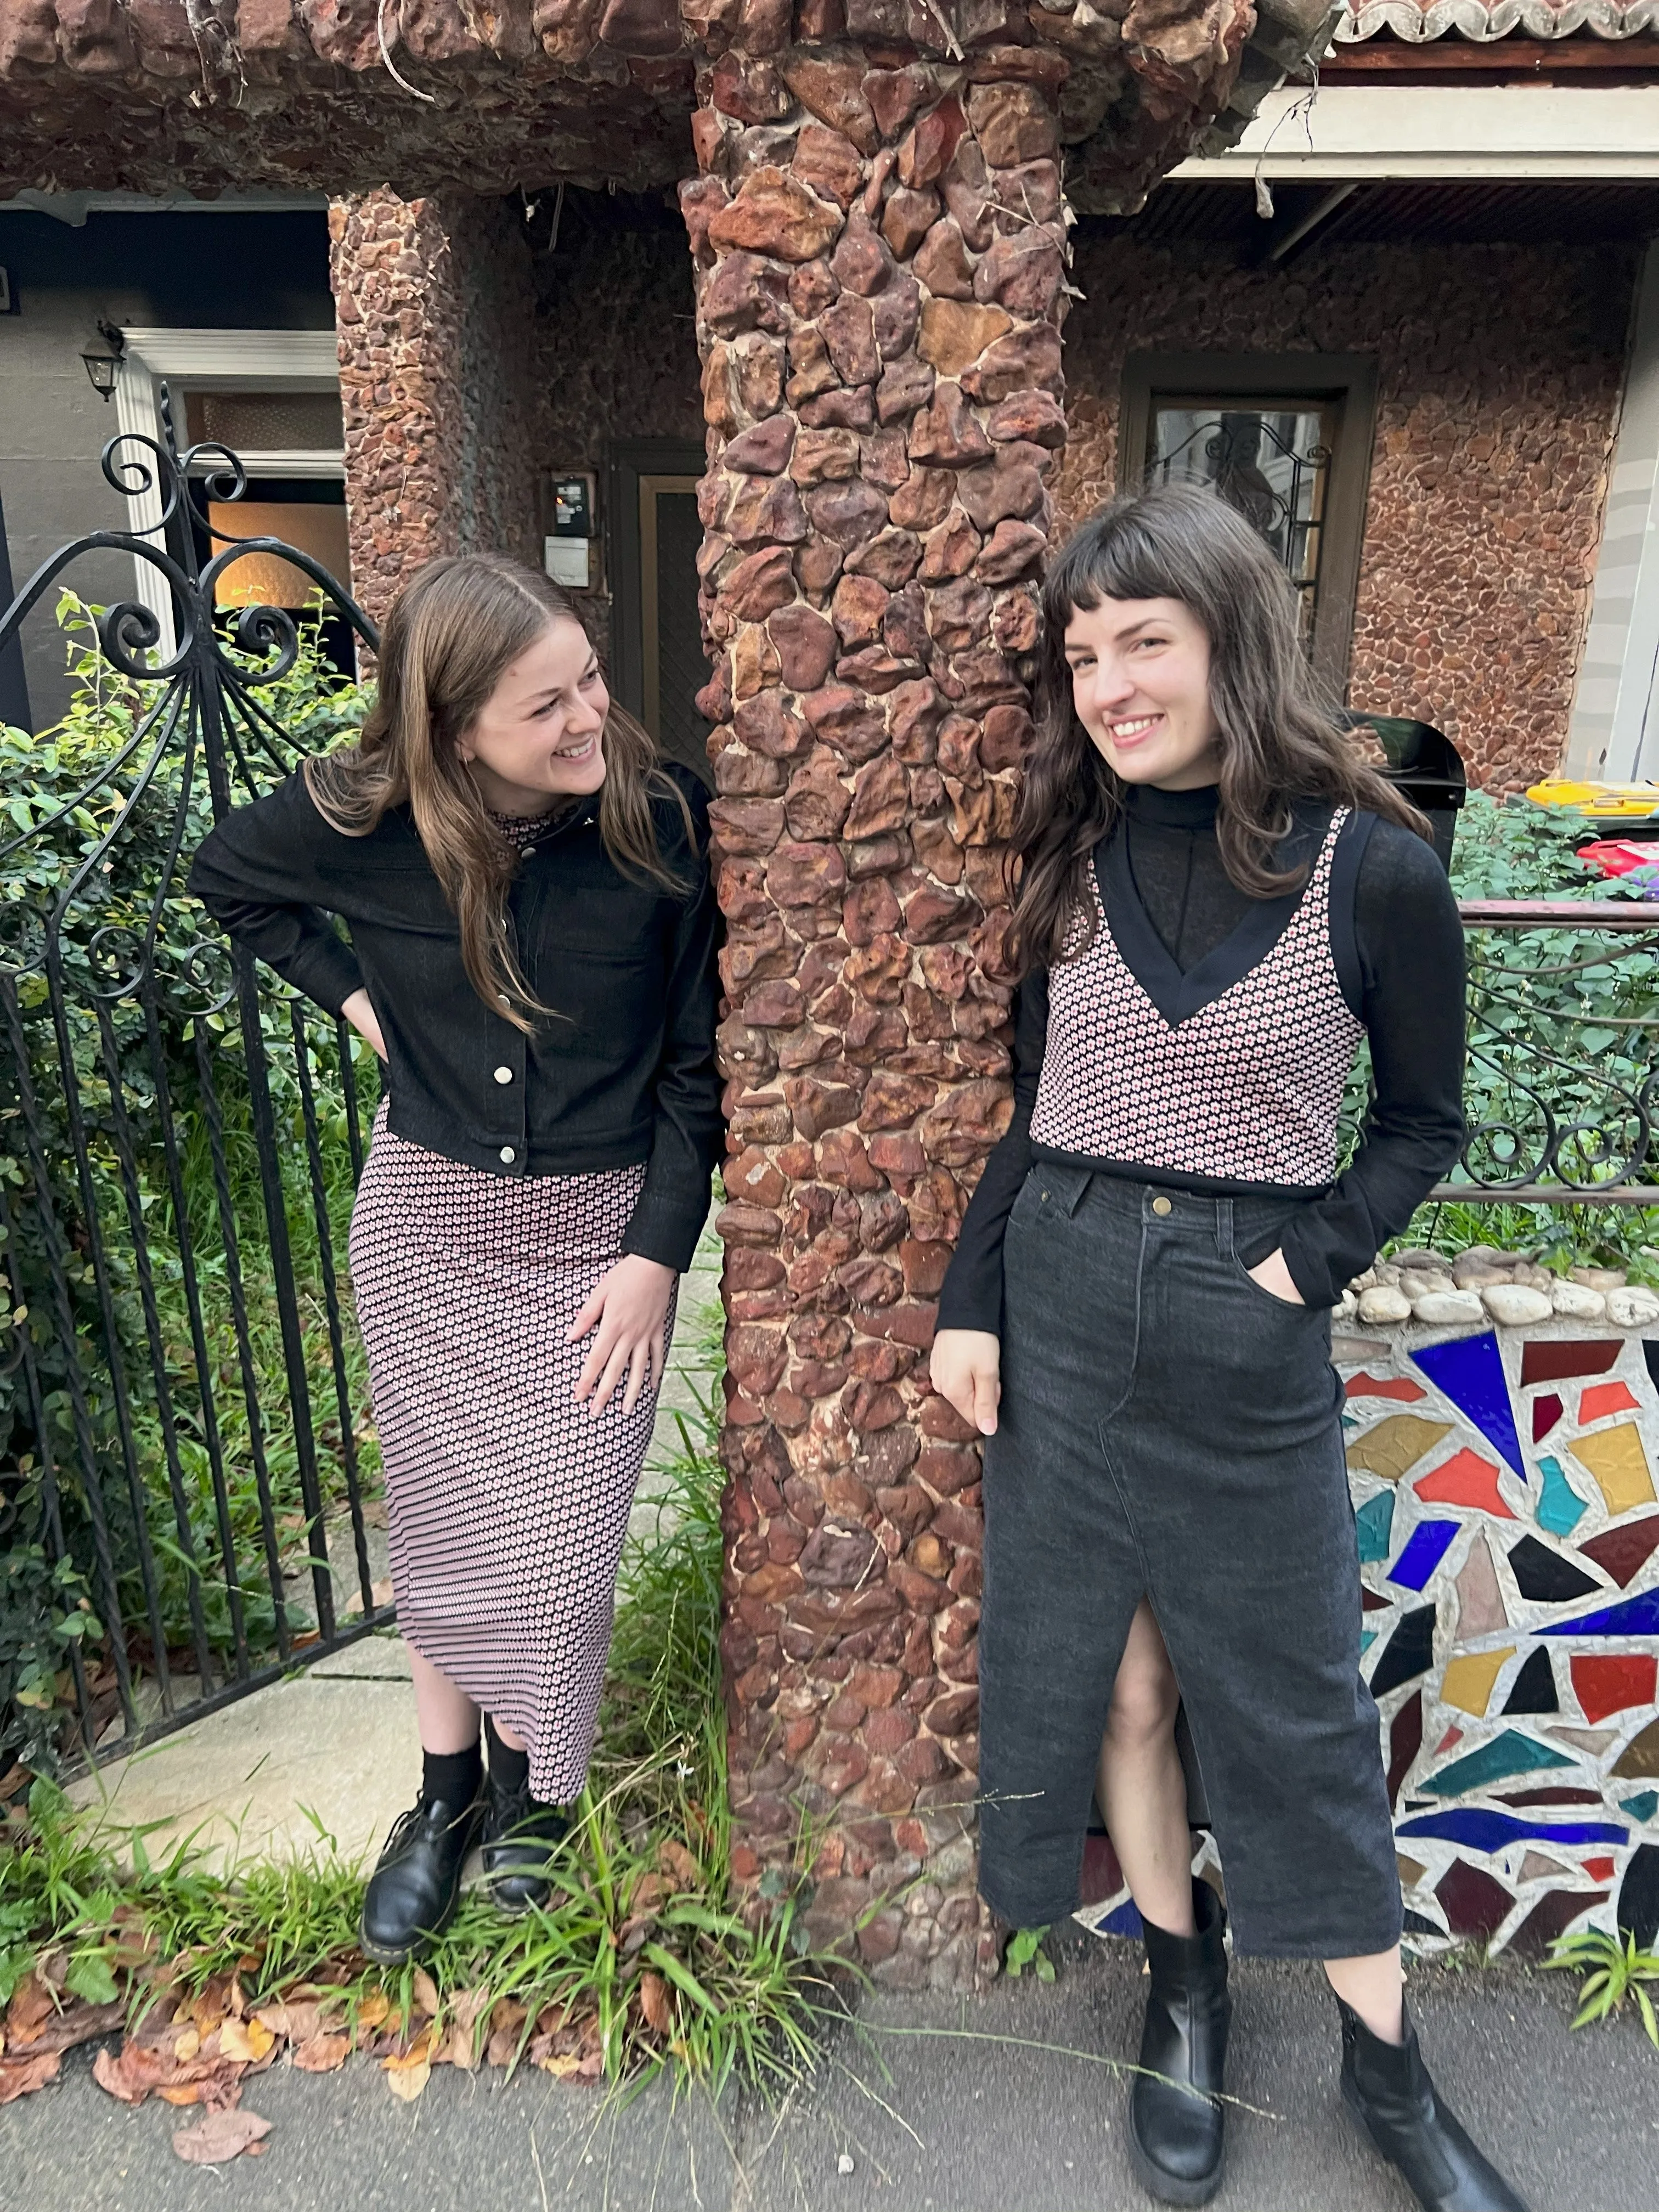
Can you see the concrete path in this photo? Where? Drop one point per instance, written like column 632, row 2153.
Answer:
column 1000, row 2104
column 331, row 1754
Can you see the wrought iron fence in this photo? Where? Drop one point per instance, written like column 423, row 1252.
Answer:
column 1561, row 1084
column 186, row 1507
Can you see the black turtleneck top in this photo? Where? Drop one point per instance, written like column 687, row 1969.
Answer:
column 1409, row 942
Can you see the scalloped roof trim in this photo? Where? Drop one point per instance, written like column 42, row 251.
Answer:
column 1476, row 20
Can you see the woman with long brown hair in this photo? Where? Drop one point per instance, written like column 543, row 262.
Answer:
column 531, row 955
column 1218, row 900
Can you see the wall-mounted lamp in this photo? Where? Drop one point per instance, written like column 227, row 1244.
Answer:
column 102, row 367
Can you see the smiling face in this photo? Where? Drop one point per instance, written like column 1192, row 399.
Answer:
column 537, row 737
column 1140, row 683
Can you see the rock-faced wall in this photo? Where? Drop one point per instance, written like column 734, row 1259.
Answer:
column 879, row 265
column 1499, row 374
column 434, row 308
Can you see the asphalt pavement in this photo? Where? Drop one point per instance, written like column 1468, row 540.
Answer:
column 1003, row 2103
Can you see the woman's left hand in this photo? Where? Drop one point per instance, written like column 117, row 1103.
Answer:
column 629, row 1310
column 1272, row 1276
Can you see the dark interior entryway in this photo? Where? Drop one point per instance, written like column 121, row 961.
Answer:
column 657, row 663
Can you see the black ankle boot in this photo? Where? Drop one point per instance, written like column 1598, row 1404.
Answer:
column 520, row 1835
column 1175, row 2132
column 1386, row 2087
column 416, row 1882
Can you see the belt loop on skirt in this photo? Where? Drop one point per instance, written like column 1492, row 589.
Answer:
column 1223, row 1227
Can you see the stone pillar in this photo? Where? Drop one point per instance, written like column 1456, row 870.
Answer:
column 880, row 250
column 435, row 310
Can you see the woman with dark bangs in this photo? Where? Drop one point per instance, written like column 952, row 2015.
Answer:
column 531, row 955
column 1217, row 900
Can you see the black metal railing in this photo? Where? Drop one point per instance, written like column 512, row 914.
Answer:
column 187, row 1477
column 1561, row 1085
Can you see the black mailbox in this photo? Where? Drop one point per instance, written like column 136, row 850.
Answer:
column 1425, row 766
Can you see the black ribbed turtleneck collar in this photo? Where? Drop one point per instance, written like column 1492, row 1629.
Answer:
column 1172, row 809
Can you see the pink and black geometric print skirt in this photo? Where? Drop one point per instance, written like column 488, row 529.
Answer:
column 508, row 1501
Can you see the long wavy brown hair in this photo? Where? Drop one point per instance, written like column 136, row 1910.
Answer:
column 1280, row 739
column 453, row 630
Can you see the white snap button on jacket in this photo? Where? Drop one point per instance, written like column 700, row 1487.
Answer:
column 503, row 1075
column 508, row 1154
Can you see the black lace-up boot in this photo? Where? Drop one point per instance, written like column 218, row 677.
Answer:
column 416, row 1882
column 1387, row 2087
column 519, row 1834
column 1175, row 2117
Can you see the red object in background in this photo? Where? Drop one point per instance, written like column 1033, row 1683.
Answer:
column 1598, row 1869
column 1623, row 856
column 1385, row 1386
column 1612, row 1683
column 1595, row 1404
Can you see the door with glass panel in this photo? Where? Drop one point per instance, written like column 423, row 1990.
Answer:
column 1285, row 439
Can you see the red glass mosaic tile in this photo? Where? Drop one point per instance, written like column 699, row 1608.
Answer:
column 1546, row 1359
column 1546, row 1411
column 1611, row 1682
column 1598, row 1869
column 1551, row 1917
column 1405, row 1741
column 1605, row 1398
column 1623, row 1553
column 1465, row 1479
column 1384, row 1386
column 1474, row 1905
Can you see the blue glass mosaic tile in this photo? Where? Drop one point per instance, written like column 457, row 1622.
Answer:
column 1509, row 1753
column 1560, row 1509
column 1635, row 1616
column 1490, row 1831
column 1375, row 1523
column 1126, row 1921
column 1470, row 1372
column 1367, row 1637
column 1428, row 1544
column 1643, row 1806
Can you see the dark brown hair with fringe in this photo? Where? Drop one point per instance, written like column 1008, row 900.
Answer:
column 1280, row 740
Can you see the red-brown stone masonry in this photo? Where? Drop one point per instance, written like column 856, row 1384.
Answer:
column 879, row 308
column 1499, row 375
column 435, row 309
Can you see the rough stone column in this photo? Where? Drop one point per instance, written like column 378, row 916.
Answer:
column 880, row 248
column 435, row 314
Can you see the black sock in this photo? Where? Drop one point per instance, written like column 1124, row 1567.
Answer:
column 451, row 1777
column 510, row 1768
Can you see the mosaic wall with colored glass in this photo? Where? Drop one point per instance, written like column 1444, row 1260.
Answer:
column 1503, row 1482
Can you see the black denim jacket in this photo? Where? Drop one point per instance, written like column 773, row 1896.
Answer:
column 623, row 1072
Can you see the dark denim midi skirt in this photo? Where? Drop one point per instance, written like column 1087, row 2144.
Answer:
column 1170, row 1429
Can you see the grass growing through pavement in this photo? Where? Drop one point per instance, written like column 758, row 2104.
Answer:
column 639, row 1961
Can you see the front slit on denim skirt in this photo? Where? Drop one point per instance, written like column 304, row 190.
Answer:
column 1170, row 1428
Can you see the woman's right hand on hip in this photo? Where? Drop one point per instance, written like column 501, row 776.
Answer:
column 359, row 1013
column 967, row 1371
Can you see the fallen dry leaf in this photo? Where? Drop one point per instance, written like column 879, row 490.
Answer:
column 220, row 2136
column 674, row 1859
column 188, row 2045
column 245, row 2041
column 374, row 2009
column 649, row 1890
column 297, row 2018
column 407, row 2075
column 322, row 2054
column 180, row 2092
column 564, row 2064
column 19, row 2076
column 460, row 2043
column 30, row 2008
column 654, row 2004
column 77, row 2023
column 426, row 1993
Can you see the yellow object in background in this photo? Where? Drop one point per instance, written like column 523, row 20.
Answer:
column 1634, row 801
